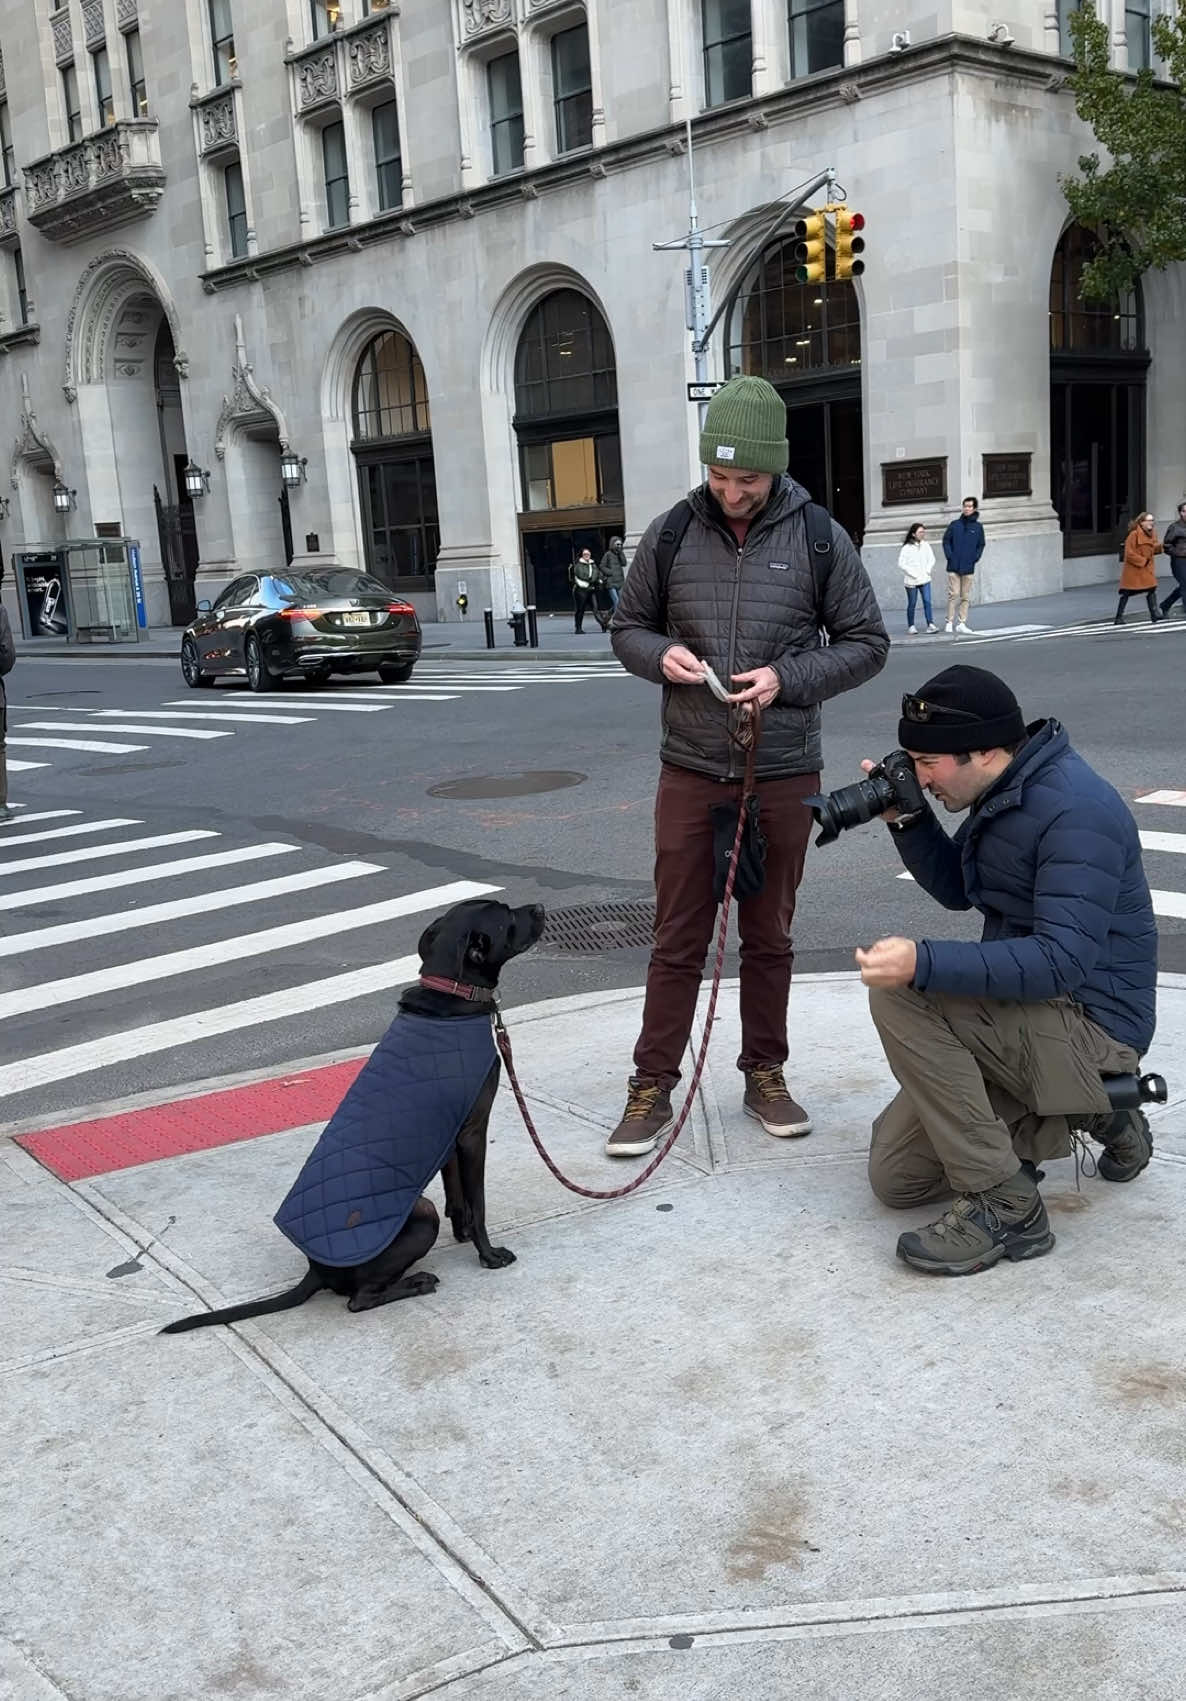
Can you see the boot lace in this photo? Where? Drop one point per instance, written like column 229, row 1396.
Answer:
column 770, row 1084
column 641, row 1099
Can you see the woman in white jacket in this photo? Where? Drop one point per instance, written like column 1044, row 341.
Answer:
column 916, row 558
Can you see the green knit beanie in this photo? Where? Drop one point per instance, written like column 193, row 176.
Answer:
column 745, row 428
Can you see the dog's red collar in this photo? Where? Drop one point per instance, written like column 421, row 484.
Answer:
column 459, row 989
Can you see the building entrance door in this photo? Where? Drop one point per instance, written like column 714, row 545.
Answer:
column 827, row 456
column 547, row 556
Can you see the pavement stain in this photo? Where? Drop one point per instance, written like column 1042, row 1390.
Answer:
column 1066, row 1203
column 775, row 1537
column 1163, row 1383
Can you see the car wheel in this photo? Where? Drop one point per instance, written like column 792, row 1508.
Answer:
column 392, row 673
column 191, row 667
column 258, row 677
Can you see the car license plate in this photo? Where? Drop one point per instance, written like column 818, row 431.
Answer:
column 362, row 619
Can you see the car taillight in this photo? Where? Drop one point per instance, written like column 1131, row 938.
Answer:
column 400, row 608
column 300, row 614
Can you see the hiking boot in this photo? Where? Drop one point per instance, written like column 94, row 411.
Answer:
column 647, row 1117
column 1127, row 1143
column 1006, row 1221
column 768, row 1102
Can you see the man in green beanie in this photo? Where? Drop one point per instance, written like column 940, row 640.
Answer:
column 743, row 595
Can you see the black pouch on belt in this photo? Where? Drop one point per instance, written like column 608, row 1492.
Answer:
column 751, row 860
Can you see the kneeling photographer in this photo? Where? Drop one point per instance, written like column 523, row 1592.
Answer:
column 999, row 1046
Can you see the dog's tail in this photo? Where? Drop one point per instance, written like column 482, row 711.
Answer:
column 310, row 1284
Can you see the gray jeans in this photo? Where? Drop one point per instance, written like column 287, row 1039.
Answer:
column 984, row 1084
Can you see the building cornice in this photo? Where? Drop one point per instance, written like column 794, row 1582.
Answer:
column 946, row 56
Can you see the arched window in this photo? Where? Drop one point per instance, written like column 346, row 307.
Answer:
column 392, row 445
column 806, row 340
column 1098, row 370
column 566, row 421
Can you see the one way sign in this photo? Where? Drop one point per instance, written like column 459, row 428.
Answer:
column 705, row 392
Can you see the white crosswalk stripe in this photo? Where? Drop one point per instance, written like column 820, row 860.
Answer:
column 15, row 766
column 173, row 958
column 39, row 815
column 207, row 715
column 73, row 744
column 85, row 726
column 78, row 828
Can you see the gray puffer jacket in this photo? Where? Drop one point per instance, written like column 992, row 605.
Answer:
column 739, row 609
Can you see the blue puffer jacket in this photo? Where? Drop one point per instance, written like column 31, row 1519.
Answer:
column 1051, row 858
column 963, row 544
column 388, row 1137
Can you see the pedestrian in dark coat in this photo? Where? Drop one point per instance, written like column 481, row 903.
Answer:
column 963, row 545
column 584, row 578
column 741, row 597
column 1138, row 575
column 1174, row 544
column 7, row 659
column 613, row 571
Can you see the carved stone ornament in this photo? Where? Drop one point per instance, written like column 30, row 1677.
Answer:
column 63, row 40
column 98, row 297
column 250, row 404
column 480, row 15
column 216, row 122
column 370, row 55
column 317, row 78
column 125, row 12
column 32, row 444
column 104, row 180
column 92, row 23
column 2, row 83
column 8, row 228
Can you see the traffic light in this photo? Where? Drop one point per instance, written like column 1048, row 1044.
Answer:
column 849, row 244
column 811, row 248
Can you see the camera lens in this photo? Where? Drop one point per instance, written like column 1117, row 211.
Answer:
column 850, row 806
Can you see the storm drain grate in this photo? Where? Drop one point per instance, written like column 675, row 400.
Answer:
column 590, row 928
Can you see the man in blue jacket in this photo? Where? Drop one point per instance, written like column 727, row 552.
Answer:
column 999, row 1046
column 963, row 545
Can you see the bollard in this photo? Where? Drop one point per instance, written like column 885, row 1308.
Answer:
column 532, row 627
column 488, row 621
column 518, row 625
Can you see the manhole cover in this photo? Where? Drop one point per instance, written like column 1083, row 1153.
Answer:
column 509, row 785
column 590, row 928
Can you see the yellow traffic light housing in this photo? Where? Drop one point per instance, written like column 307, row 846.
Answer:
column 849, row 244
column 811, row 248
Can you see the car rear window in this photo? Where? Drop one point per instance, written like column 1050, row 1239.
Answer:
column 345, row 584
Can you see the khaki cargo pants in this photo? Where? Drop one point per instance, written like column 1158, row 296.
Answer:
column 984, row 1083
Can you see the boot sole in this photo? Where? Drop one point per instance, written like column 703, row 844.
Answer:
column 783, row 1131
column 1126, row 1174
column 638, row 1148
column 1016, row 1253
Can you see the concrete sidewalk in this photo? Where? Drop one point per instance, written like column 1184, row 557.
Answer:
column 464, row 640
column 709, row 1442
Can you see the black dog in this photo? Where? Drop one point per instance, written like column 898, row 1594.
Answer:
column 419, row 1107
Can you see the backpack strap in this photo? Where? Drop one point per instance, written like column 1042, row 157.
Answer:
column 671, row 535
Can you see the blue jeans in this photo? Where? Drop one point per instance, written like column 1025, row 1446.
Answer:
column 912, row 603
column 613, row 593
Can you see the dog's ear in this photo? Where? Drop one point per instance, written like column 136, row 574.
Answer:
column 429, row 938
column 477, row 948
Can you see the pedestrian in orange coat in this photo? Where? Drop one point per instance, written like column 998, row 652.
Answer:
column 1139, row 576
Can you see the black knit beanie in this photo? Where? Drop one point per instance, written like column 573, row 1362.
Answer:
column 960, row 709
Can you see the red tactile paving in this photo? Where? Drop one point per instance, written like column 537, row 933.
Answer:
column 81, row 1149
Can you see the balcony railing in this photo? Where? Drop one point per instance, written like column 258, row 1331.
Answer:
column 346, row 63
column 105, row 180
column 9, row 234
column 218, row 131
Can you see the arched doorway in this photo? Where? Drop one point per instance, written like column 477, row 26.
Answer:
column 1098, row 369
column 392, row 448
column 570, row 456
column 177, row 531
column 806, row 340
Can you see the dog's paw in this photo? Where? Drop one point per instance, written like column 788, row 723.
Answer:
column 423, row 1282
column 500, row 1256
column 460, row 1232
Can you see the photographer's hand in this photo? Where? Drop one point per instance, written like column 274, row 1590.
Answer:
column 681, row 667
column 867, row 767
column 889, row 963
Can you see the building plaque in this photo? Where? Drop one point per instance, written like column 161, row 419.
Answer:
column 1007, row 475
column 905, row 483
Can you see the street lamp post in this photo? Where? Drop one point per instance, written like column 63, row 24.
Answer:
column 196, row 480
column 64, row 500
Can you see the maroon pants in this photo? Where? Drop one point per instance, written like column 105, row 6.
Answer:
column 685, row 913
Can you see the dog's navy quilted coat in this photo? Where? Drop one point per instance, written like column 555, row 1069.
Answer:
column 388, row 1138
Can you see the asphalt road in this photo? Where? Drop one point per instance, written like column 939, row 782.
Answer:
column 343, row 785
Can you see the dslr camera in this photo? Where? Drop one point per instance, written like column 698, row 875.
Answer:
column 892, row 784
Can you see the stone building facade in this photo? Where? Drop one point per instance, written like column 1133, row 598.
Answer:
column 413, row 246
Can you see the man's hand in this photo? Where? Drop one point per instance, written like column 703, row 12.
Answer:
column 681, row 667
column 761, row 686
column 891, row 962
column 867, row 767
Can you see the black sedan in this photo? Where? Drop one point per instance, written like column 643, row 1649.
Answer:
column 267, row 627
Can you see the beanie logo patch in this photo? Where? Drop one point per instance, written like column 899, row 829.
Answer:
column 725, row 452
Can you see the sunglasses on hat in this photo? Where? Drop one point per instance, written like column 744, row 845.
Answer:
column 919, row 710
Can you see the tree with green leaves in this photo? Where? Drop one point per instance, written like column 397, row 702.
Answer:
column 1136, row 204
